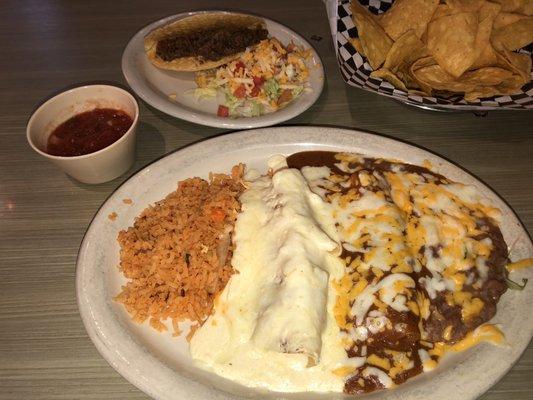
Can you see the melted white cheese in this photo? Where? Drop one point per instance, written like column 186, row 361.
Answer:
column 389, row 295
column 382, row 376
column 273, row 324
column 317, row 177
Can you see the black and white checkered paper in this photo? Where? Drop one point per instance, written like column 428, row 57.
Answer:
column 355, row 69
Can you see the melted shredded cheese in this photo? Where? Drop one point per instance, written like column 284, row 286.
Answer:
column 525, row 263
column 393, row 223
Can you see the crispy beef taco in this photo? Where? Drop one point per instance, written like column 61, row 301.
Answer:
column 203, row 41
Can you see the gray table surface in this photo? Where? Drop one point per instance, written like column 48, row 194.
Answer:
column 49, row 45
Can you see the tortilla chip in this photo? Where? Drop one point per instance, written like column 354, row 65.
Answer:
column 485, row 82
column 374, row 41
column 509, row 86
column 405, row 51
column 438, row 79
column 423, row 62
column 504, row 19
column 489, row 11
column 456, row 6
column 512, row 85
column 408, row 14
column 481, row 92
column 465, row 49
column 514, row 36
column 418, row 64
column 356, row 43
column 488, row 76
column 487, row 58
column 483, row 48
column 442, row 10
column 510, row 5
column 487, row 14
column 481, row 7
column 518, row 63
column 452, row 41
column 389, row 76
column 409, row 81
column 526, row 8
column 454, row 54
column 517, row 6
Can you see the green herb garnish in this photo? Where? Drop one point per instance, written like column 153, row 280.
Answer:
column 514, row 285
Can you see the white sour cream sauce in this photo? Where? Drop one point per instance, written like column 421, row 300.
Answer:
column 273, row 324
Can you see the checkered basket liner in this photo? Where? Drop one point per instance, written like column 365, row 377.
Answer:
column 355, row 70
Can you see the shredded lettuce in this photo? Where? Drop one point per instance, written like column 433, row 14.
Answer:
column 246, row 107
column 297, row 91
column 243, row 108
column 233, row 103
column 253, row 109
column 205, row 93
column 271, row 87
column 257, row 109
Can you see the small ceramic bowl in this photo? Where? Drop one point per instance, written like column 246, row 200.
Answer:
column 102, row 165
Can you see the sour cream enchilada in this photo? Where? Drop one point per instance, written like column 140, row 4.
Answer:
column 352, row 274
column 273, row 324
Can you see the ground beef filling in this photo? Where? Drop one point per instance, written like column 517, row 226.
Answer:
column 209, row 45
column 443, row 315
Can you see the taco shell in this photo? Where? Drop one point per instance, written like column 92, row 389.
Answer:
column 193, row 24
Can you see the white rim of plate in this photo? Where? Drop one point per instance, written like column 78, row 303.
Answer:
column 152, row 380
column 138, row 83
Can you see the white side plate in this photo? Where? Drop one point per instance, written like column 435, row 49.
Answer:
column 154, row 85
column 160, row 365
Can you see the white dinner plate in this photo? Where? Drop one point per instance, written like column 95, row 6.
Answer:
column 155, row 85
column 160, row 365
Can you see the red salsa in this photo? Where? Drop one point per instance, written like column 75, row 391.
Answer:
column 88, row 132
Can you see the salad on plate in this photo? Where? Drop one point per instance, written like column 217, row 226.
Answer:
column 265, row 78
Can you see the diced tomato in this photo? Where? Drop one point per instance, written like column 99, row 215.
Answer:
column 240, row 92
column 285, row 96
column 239, row 67
column 255, row 91
column 258, row 80
column 290, row 47
column 258, row 83
column 223, row 111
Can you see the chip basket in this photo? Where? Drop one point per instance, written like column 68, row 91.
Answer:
column 355, row 70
